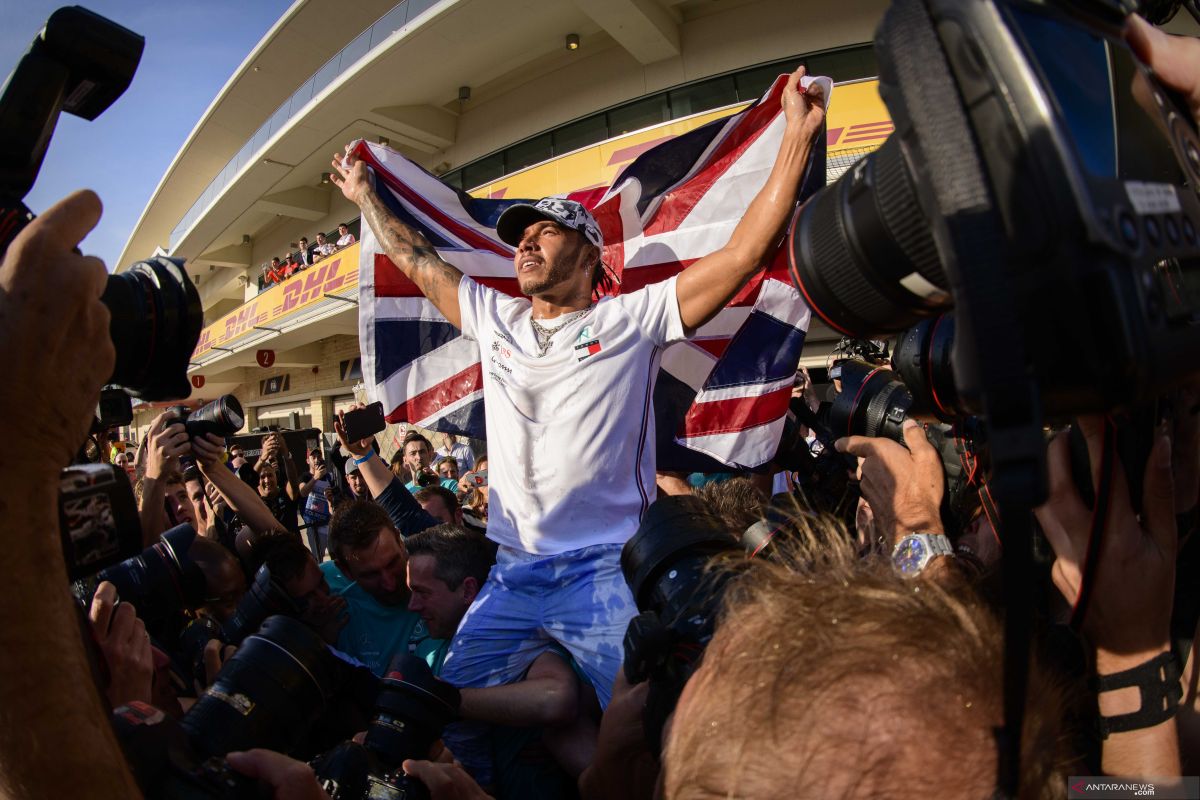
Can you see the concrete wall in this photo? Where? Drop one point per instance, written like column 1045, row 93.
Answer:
column 603, row 75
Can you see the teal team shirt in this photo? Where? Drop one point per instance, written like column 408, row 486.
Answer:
column 377, row 633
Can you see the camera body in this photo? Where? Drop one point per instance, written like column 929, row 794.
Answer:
column 1042, row 172
column 411, row 709
column 667, row 566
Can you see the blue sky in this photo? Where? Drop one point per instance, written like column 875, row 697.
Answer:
column 192, row 48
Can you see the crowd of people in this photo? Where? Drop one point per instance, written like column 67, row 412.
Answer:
column 816, row 655
column 303, row 255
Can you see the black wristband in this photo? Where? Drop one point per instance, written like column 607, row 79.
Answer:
column 1157, row 680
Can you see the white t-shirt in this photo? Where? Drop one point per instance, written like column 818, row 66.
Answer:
column 571, row 433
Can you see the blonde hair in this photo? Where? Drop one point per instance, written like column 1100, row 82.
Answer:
column 829, row 676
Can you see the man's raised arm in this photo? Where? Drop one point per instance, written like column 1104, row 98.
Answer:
column 408, row 249
column 704, row 288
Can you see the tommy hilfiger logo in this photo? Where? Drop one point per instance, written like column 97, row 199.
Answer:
column 586, row 349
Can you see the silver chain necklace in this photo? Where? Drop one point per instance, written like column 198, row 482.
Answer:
column 544, row 335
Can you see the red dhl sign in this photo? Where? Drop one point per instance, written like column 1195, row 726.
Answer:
column 335, row 274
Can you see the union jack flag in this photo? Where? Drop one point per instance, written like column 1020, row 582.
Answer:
column 720, row 398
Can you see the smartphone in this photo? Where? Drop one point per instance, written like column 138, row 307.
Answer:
column 364, row 422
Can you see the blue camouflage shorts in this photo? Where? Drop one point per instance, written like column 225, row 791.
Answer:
column 578, row 599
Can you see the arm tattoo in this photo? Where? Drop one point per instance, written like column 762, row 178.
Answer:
column 409, row 250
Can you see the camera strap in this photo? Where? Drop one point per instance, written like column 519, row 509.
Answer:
column 1099, row 519
column 1157, row 680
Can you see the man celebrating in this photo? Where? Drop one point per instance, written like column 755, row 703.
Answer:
column 570, row 385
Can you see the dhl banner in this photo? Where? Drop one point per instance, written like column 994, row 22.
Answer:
column 857, row 119
column 336, row 274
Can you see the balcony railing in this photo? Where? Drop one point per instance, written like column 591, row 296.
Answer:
column 396, row 19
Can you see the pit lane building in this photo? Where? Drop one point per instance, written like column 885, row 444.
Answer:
column 516, row 98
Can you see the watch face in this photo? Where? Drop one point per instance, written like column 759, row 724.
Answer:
column 910, row 555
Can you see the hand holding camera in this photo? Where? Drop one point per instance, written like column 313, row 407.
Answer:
column 168, row 440
column 53, row 325
column 125, row 645
column 903, row 487
column 1129, row 610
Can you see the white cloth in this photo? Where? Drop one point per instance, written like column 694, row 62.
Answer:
column 570, row 434
column 345, row 240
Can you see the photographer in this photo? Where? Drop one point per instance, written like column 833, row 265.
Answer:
column 249, row 505
column 274, row 462
column 1128, row 619
column 166, row 441
column 54, row 344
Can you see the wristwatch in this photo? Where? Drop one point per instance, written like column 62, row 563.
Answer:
column 916, row 550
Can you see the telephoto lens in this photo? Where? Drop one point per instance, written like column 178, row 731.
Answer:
column 870, row 402
column 155, row 323
column 163, row 580
column 862, row 251
column 266, row 695
column 265, row 597
column 222, row 417
column 411, row 710
column 923, row 361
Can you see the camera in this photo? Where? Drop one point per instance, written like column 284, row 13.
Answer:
column 98, row 518
column 163, row 580
column 411, row 710
column 269, row 694
column 223, row 417
column 1042, row 172
column 81, row 63
column 264, row 598
column 666, row 565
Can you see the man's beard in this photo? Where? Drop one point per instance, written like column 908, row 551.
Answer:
column 560, row 270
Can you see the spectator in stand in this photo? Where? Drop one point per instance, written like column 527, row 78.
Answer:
column 345, row 237
column 305, row 253
column 275, row 271
column 447, row 468
column 460, row 452
column 323, row 247
column 294, row 264
column 417, row 453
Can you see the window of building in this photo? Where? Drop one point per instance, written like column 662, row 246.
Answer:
column 527, row 153
column 703, row 96
column 580, row 133
column 639, row 114
column 485, row 170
